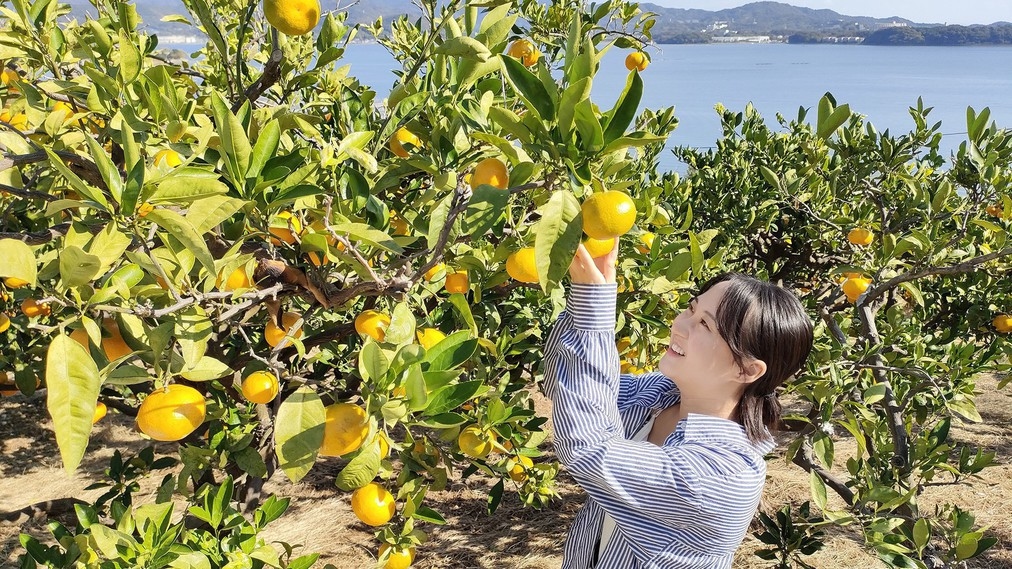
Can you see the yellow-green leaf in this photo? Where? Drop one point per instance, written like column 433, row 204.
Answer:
column 298, row 432
column 18, row 261
column 72, row 382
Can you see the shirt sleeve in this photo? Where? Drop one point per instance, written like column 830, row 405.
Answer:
column 628, row 478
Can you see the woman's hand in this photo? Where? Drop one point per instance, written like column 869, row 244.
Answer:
column 588, row 270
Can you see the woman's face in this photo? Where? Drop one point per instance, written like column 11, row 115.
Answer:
column 698, row 359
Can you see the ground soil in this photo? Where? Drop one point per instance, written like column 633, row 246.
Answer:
column 320, row 518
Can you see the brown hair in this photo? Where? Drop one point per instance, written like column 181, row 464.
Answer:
column 763, row 321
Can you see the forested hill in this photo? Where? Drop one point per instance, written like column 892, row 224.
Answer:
column 674, row 25
column 995, row 34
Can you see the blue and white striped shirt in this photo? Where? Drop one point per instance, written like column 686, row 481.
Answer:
column 686, row 504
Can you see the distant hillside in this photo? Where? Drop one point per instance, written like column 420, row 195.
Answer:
column 995, row 34
column 674, row 25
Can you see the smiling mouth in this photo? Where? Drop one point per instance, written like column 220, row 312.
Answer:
column 675, row 350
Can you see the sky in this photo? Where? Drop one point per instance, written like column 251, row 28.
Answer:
column 923, row 11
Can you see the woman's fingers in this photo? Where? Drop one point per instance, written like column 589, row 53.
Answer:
column 583, row 269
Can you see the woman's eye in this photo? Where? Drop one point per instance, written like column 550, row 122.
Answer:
column 703, row 322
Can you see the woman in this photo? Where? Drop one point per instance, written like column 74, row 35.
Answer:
column 672, row 460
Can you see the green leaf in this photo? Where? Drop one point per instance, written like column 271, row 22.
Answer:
column 205, row 369
column 234, row 141
column 530, row 89
column 109, row 245
column 511, row 123
column 193, row 331
column 206, row 213
column 464, row 46
column 427, row 514
column 186, row 185
column 620, row 117
column 129, row 59
column 922, row 533
column 77, row 267
column 369, row 235
column 182, row 230
column 361, row 470
column 79, row 185
column 818, row 490
column 108, row 171
column 451, row 351
column 72, row 382
column 834, row 121
column 298, row 432
column 265, row 148
column 589, row 127
column 402, row 325
column 437, row 219
column 452, row 396
column 19, row 261
column 571, row 97
column 874, row 394
column 697, row 255
column 372, row 362
column 495, row 496
column 557, row 237
column 459, row 302
column 250, row 461
column 485, row 208
column 415, row 388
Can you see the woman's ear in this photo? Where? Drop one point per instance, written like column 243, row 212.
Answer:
column 752, row 370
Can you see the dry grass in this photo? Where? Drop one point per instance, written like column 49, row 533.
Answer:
column 320, row 518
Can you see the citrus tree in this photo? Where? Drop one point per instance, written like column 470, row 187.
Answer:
column 266, row 260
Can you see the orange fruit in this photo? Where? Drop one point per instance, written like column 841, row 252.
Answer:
column 18, row 121
column 646, row 243
column 100, row 411
column 293, row 17
column 995, row 210
column 1002, row 323
column 8, row 77
column 599, row 247
column 169, row 157
column 518, row 473
column 399, row 225
column 274, row 335
column 636, row 60
column 399, row 558
column 430, row 275
column 284, row 227
column 373, row 504
column 522, row 266
column 81, row 337
column 14, row 282
column 237, row 280
column 854, row 287
column 384, row 445
column 260, row 387
column 457, row 282
column 490, row 171
column 33, row 308
column 5, row 322
column 401, row 137
column 171, row 413
column 474, row 442
column 60, row 106
column 346, row 428
column 113, row 345
column 860, row 236
column 372, row 323
column 144, row 209
column 608, row 214
column 525, row 51
column 429, row 337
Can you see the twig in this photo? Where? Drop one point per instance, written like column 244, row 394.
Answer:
column 27, row 193
column 270, row 76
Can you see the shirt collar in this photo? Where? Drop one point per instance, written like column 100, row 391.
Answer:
column 706, row 428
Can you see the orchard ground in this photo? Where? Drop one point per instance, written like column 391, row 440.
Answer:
column 320, row 517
